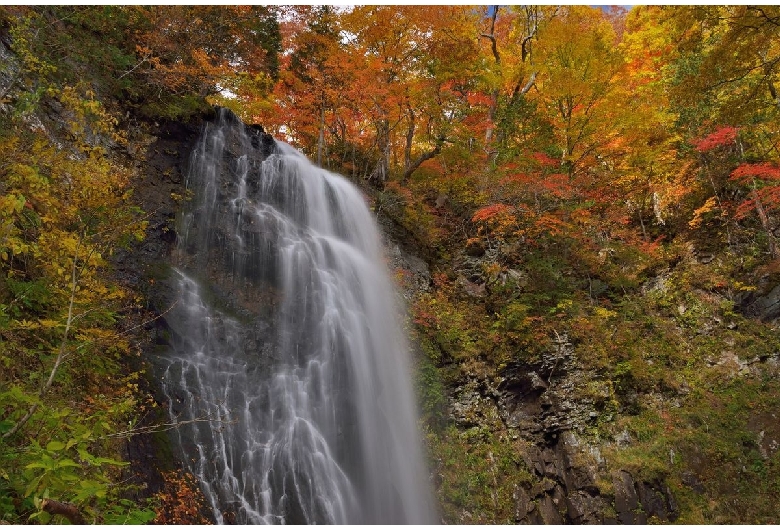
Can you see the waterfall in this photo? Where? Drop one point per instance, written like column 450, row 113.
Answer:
column 288, row 372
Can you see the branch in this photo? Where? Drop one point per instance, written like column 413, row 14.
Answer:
column 67, row 510
column 422, row 158
column 492, row 36
column 163, row 427
column 142, row 61
column 523, row 91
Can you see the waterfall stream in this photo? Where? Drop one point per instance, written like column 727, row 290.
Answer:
column 288, row 372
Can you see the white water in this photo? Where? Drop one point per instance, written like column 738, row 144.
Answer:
column 309, row 418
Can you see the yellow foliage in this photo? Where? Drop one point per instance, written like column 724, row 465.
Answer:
column 698, row 214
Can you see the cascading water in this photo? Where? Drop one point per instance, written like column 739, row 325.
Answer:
column 288, row 372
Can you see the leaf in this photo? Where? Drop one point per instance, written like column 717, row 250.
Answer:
column 85, row 456
column 32, row 486
column 110, row 461
column 709, row 205
column 721, row 137
column 37, row 465
column 55, row 446
column 49, row 324
column 764, row 171
column 66, row 462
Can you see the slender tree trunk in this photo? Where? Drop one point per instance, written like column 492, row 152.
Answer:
column 489, row 148
column 409, row 141
column 321, row 139
column 764, row 222
column 379, row 174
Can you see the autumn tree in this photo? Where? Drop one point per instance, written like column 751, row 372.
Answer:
column 509, row 70
column 722, row 86
column 416, row 61
column 189, row 49
column 579, row 62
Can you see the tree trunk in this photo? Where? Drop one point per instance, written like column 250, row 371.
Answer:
column 412, row 167
column 764, row 222
column 409, row 141
column 321, row 139
column 378, row 176
column 489, row 149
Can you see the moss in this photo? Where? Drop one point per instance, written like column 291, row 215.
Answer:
column 480, row 471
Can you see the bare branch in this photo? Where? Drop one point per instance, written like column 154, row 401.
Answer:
column 163, row 427
column 492, row 35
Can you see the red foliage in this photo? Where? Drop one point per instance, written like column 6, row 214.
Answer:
column 558, row 185
column 488, row 212
column 476, row 99
column 722, row 136
column 763, row 171
column 769, row 197
column 544, row 160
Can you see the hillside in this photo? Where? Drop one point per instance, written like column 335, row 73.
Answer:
column 580, row 209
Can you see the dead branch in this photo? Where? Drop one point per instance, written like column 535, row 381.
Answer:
column 69, row 511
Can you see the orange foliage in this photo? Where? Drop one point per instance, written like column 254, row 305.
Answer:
column 180, row 501
column 768, row 198
column 185, row 49
column 544, row 160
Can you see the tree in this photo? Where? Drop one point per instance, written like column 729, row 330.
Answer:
column 62, row 213
column 579, row 62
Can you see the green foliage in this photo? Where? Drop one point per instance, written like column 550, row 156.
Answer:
column 430, row 389
column 479, row 473
column 132, row 53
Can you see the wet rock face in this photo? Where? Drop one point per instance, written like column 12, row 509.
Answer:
column 566, row 490
column 160, row 154
column 536, row 397
column 637, row 501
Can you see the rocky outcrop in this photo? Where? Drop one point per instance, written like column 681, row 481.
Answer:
column 534, row 401
column 763, row 304
column 565, row 491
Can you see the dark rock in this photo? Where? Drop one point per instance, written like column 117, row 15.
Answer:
column 690, row 479
column 626, row 498
column 581, row 508
column 543, row 487
column 523, row 504
column 475, row 248
column 762, row 306
column 548, row 512
column 533, row 460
